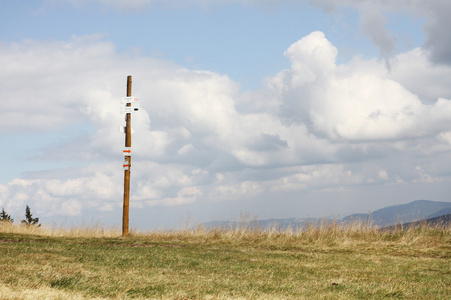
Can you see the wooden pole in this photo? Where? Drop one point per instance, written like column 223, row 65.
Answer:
column 128, row 143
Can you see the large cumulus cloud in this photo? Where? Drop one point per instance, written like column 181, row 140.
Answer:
column 356, row 102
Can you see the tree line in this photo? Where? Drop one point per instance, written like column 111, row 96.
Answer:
column 28, row 221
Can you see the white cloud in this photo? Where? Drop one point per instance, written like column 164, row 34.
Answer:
column 350, row 102
column 321, row 176
column 46, row 82
column 422, row 175
column 383, row 175
column 445, row 136
column 414, row 71
column 233, row 191
column 50, row 197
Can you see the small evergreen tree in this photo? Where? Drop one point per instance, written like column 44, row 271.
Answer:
column 29, row 220
column 4, row 217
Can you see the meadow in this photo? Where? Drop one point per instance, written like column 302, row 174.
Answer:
column 323, row 261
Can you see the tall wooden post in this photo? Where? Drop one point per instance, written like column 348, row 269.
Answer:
column 128, row 143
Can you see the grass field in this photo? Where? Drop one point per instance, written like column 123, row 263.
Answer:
column 321, row 262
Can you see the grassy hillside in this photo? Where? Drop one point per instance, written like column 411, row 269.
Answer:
column 329, row 262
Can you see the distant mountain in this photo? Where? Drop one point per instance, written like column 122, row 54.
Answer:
column 355, row 217
column 404, row 213
column 443, row 220
column 444, row 211
column 388, row 216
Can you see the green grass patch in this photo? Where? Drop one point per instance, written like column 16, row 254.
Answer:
column 202, row 264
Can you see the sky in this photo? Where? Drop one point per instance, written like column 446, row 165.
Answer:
column 269, row 109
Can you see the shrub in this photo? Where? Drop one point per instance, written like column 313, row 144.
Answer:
column 29, row 220
column 4, row 217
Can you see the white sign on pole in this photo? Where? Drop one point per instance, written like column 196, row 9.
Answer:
column 131, row 99
column 127, row 151
column 128, row 109
column 125, row 165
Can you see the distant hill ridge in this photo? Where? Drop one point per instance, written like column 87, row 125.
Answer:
column 444, row 220
column 388, row 216
column 404, row 213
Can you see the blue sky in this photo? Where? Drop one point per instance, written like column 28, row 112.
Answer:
column 275, row 108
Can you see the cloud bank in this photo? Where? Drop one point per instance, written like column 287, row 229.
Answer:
column 198, row 138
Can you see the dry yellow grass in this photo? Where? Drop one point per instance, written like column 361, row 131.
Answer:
column 95, row 231
column 323, row 261
column 332, row 233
